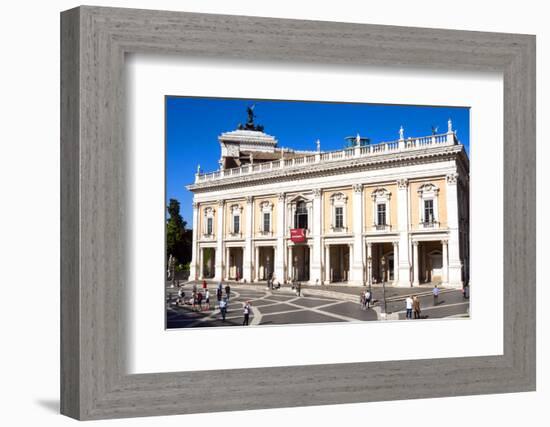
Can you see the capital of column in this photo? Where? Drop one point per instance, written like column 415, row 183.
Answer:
column 221, row 203
column 452, row 178
column 195, row 205
column 316, row 192
column 281, row 197
column 415, row 243
column 358, row 188
column 249, row 199
column 444, row 242
column 402, row 183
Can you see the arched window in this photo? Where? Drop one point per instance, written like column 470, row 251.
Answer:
column 300, row 216
column 266, row 218
column 381, row 209
column 208, row 227
column 428, row 205
column 235, row 225
column 338, row 212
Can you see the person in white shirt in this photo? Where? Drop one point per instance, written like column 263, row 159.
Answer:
column 223, row 308
column 368, row 298
column 246, row 313
column 409, row 305
column 207, row 299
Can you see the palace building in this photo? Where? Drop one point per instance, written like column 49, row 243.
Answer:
column 395, row 211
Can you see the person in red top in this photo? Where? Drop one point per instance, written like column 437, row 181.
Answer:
column 204, row 284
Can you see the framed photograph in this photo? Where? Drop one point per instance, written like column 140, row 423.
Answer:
column 349, row 208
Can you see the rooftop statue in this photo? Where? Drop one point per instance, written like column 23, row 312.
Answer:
column 250, row 122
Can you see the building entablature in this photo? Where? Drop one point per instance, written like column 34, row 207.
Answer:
column 268, row 173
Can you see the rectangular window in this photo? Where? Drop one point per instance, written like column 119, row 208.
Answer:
column 429, row 211
column 267, row 220
column 381, row 214
column 339, row 217
column 236, row 224
column 209, row 226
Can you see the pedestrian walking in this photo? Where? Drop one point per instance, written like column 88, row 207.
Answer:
column 204, row 285
column 227, row 291
column 409, row 306
column 199, row 300
column 207, row 299
column 219, row 294
column 299, row 288
column 362, row 301
column 435, row 293
column 368, row 298
column 246, row 313
column 416, row 306
column 466, row 292
column 194, row 299
column 223, row 308
column 181, row 296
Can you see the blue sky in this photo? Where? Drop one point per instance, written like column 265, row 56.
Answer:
column 194, row 124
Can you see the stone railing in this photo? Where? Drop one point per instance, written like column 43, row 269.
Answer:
column 401, row 145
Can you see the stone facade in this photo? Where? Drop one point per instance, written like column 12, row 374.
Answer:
column 394, row 212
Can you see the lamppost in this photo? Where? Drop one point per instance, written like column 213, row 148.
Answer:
column 369, row 272
column 383, row 263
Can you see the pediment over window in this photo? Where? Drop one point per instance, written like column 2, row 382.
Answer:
column 299, row 198
column 235, row 208
column 266, row 205
column 380, row 193
column 428, row 188
column 338, row 197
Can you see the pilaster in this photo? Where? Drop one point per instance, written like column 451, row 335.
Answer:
column 404, row 264
column 280, row 251
column 356, row 262
column 193, row 269
column 315, row 256
column 455, row 264
column 219, row 264
column 247, row 253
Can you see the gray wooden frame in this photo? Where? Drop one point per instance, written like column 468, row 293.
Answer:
column 94, row 42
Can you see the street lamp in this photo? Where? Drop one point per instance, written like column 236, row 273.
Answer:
column 383, row 262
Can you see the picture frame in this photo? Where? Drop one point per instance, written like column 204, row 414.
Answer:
column 94, row 42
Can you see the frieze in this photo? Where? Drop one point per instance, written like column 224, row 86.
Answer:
column 329, row 168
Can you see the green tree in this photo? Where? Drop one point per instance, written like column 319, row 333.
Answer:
column 178, row 238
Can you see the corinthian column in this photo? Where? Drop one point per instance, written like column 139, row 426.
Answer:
column 404, row 266
column 247, row 253
column 193, row 266
column 316, row 219
column 280, row 252
column 218, row 276
column 455, row 264
column 356, row 266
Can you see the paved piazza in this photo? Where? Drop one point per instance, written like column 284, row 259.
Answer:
column 283, row 306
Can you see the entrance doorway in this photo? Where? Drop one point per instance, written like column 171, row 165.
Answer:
column 430, row 262
column 266, row 262
column 208, row 263
column 339, row 263
column 383, row 262
column 300, row 263
column 235, row 263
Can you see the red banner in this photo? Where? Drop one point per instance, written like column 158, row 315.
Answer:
column 298, row 235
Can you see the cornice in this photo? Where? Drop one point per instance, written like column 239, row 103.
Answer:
column 330, row 168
